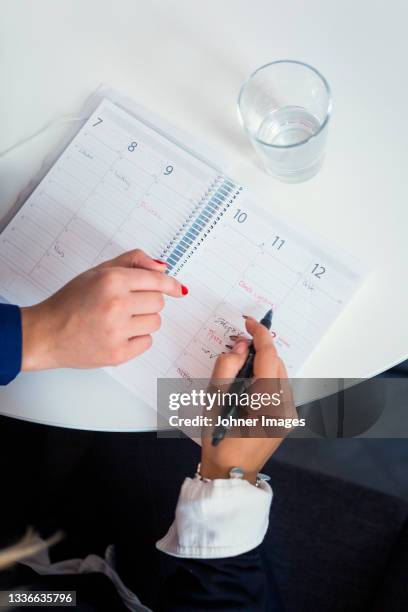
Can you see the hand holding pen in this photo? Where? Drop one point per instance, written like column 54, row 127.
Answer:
column 244, row 376
column 249, row 453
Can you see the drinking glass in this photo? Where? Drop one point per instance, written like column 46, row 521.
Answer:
column 285, row 107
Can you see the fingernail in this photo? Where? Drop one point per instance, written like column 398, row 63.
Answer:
column 240, row 347
column 245, row 316
column 163, row 263
column 184, row 290
column 228, row 346
column 235, row 338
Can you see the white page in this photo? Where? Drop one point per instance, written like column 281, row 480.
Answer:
column 247, row 268
column 119, row 185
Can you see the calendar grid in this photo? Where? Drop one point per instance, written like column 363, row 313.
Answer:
column 121, row 185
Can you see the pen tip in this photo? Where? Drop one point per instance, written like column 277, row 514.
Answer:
column 267, row 320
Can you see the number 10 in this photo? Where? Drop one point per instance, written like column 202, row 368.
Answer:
column 240, row 216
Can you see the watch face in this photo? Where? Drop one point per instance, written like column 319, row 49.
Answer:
column 236, row 472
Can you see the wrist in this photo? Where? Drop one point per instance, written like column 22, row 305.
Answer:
column 213, row 471
column 38, row 338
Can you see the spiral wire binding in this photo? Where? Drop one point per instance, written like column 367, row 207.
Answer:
column 190, row 217
column 198, row 225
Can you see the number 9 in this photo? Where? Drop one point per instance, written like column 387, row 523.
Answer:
column 168, row 170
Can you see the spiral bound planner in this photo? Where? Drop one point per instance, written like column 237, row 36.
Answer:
column 200, row 223
column 121, row 184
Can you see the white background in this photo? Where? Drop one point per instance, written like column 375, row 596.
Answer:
column 186, row 61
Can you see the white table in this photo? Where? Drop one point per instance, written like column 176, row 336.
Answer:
column 186, row 61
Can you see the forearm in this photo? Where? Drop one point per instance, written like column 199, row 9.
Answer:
column 39, row 338
column 235, row 583
column 26, row 339
column 218, row 528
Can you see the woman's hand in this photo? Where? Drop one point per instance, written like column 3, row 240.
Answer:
column 104, row 316
column 249, row 453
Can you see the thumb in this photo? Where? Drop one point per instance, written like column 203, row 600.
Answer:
column 228, row 365
column 135, row 259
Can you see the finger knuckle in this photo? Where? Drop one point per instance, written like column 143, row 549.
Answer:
column 109, row 331
column 160, row 302
column 113, row 308
column 268, row 350
column 148, row 341
column 160, row 280
column 171, row 285
column 155, row 322
column 117, row 355
column 223, row 359
column 108, row 282
column 141, row 345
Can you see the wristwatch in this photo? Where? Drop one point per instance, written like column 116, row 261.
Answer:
column 235, row 472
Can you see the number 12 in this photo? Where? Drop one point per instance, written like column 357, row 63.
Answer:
column 318, row 270
column 278, row 242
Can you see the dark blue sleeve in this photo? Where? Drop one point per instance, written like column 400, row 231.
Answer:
column 11, row 342
column 236, row 584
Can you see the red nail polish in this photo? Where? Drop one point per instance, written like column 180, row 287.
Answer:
column 184, row 290
column 163, row 263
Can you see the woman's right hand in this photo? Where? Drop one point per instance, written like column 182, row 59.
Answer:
column 250, row 452
column 104, row 316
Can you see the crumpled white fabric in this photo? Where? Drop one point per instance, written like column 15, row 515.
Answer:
column 41, row 564
column 218, row 518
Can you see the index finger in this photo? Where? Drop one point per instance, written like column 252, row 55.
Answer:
column 135, row 259
column 150, row 280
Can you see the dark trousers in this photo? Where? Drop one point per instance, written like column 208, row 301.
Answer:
column 331, row 545
column 100, row 488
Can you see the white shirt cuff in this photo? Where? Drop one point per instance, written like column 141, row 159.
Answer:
column 219, row 518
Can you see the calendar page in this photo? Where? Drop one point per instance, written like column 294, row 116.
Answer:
column 249, row 263
column 120, row 184
column 123, row 184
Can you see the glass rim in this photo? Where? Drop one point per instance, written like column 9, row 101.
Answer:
column 286, row 61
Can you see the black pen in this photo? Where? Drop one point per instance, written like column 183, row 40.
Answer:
column 239, row 384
